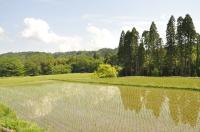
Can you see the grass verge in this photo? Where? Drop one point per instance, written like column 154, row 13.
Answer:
column 9, row 122
column 187, row 83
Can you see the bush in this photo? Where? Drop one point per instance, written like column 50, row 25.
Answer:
column 106, row 71
column 84, row 64
column 155, row 72
column 32, row 68
column 9, row 121
column 11, row 66
column 61, row 69
column 118, row 68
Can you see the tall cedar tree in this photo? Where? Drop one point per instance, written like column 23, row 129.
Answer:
column 134, row 52
column 198, row 55
column 127, row 54
column 160, row 53
column 170, row 47
column 145, row 41
column 190, row 35
column 141, row 58
column 121, row 50
column 180, row 46
column 153, row 41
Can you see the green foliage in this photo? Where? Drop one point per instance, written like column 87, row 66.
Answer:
column 19, row 125
column 170, row 45
column 155, row 43
column 6, row 112
column 36, row 63
column 96, row 55
column 118, row 68
column 84, row 64
column 61, row 69
column 121, row 50
column 32, row 68
column 100, row 53
column 111, row 59
column 179, row 56
column 11, row 66
column 106, row 71
column 128, row 52
column 155, row 72
column 8, row 120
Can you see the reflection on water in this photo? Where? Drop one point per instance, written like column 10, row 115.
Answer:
column 184, row 106
column 76, row 107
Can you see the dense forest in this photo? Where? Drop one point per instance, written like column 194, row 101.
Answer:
column 148, row 55
column 145, row 55
column 39, row 63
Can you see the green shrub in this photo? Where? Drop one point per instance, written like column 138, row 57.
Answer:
column 118, row 68
column 106, row 71
column 61, row 69
column 155, row 72
column 9, row 120
column 19, row 125
column 6, row 112
column 11, row 66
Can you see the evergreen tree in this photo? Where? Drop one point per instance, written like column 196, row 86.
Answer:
column 153, row 41
column 127, row 54
column 180, row 46
column 170, row 47
column 130, row 54
column 121, row 50
column 190, row 34
column 141, row 58
column 198, row 55
column 180, row 56
column 96, row 56
column 160, row 53
column 134, row 51
column 145, row 41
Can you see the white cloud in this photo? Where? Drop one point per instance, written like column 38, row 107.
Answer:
column 197, row 25
column 2, row 32
column 101, row 38
column 94, row 39
column 38, row 29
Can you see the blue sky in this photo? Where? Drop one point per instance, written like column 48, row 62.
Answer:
column 66, row 25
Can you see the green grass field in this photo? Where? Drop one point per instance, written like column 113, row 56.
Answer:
column 192, row 83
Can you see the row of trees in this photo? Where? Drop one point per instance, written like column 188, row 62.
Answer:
column 148, row 55
column 33, row 64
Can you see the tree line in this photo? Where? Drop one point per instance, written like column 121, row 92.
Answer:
column 149, row 56
column 39, row 63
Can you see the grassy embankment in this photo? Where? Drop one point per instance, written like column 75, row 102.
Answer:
column 188, row 83
column 9, row 122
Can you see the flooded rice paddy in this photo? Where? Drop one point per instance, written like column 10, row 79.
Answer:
column 61, row 106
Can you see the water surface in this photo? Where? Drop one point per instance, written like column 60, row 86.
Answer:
column 61, row 106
